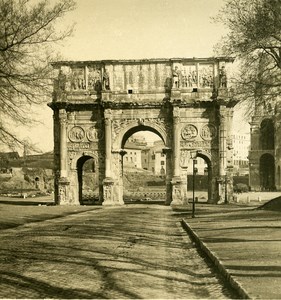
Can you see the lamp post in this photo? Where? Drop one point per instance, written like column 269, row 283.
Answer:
column 193, row 155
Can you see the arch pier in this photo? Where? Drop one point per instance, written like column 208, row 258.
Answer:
column 97, row 105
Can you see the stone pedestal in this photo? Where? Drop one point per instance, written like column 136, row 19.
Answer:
column 63, row 191
column 110, row 193
column 178, row 192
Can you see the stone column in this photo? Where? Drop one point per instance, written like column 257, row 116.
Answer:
column 222, row 154
column 177, row 184
column 63, row 182
column 169, row 191
column 108, row 196
column 63, row 143
column 176, row 146
column 108, row 144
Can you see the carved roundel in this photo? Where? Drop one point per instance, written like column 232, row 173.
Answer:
column 76, row 134
column 189, row 132
column 208, row 132
column 94, row 134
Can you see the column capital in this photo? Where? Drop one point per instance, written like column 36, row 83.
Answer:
column 108, row 114
column 176, row 112
column 62, row 115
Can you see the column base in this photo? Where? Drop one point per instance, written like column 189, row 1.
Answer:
column 63, row 191
column 179, row 192
column 110, row 193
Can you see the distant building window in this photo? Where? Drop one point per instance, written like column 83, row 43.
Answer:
column 162, row 163
column 153, row 157
column 162, row 154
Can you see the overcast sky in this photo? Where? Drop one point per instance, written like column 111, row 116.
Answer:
column 128, row 29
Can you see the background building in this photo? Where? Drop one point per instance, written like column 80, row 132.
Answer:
column 241, row 147
column 265, row 151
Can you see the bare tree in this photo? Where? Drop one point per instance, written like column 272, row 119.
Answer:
column 27, row 33
column 254, row 38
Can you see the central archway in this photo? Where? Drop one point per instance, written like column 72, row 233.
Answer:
column 144, row 166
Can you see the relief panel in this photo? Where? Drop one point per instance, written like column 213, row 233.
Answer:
column 94, row 76
column 206, row 75
column 78, row 81
column 189, row 76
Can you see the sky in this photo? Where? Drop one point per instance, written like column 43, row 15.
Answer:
column 132, row 29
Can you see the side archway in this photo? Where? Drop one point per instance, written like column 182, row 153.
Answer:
column 87, row 178
column 208, row 159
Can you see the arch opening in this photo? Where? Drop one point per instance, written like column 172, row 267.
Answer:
column 203, row 179
column 88, row 184
column 267, row 167
column 140, row 128
column 144, row 166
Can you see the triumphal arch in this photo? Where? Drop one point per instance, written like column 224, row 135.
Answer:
column 98, row 105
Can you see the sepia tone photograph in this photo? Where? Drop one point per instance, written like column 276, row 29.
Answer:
column 139, row 149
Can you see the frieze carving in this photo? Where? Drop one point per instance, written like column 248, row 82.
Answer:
column 189, row 132
column 208, row 132
column 78, row 146
column 76, row 134
column 195, row 144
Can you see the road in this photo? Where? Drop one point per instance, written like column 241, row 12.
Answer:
column 132, row 251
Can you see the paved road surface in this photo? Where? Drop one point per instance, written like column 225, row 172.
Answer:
column 133, row 251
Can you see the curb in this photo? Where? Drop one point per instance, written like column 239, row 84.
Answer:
column 221, row 268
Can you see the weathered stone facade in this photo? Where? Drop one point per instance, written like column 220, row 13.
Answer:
column 265, row 152
column 98, row 105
